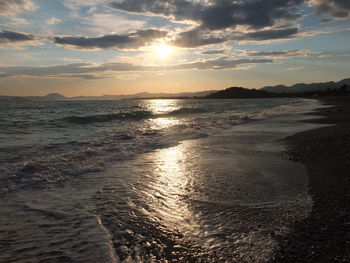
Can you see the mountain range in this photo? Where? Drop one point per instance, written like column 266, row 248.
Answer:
column 59, row 97
column 302, row 87
column 297, row 88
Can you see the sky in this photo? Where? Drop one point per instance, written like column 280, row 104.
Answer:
column 98, row 47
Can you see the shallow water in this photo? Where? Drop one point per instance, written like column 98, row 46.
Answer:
column 204, row 181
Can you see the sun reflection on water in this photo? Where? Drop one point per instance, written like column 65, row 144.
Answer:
column 161, row 123
column 170, row 185
column 170, row 176
column 161, row 108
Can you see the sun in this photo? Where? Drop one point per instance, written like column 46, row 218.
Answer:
column 162, row 51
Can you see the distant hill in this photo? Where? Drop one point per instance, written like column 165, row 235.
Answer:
column 241, row 93
column 302, row 87
column 169, row 95
column 144, row 95
column 10, row 98
column 49, row 97
column 54, row 96
column 59, row 97
column 299, row 89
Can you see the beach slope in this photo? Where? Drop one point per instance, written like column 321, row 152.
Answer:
column 324, row 236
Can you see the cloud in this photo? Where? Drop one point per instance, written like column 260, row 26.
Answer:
column 133, row 40
column 196, row 37
column 15, row 21
column 219, row 21
column 342, row 55
column 336, row 8
column 279, row 54
column 13, row 7
column 11, row 38
column 105, row 23
column 75, row 76
column 76, row 4
column 216, row 14
column 53, row 21
column 270, row 34
column 214, row 21
column 213, row 52
column 254, row 14
column 188, row 39
column 220, row 63
column 92, row 71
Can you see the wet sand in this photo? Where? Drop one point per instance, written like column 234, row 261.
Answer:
column 324, row 236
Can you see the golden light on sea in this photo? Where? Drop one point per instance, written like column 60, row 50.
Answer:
column 162, row 108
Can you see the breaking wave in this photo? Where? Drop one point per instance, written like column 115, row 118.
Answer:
column 136, row 115
column 132, row 116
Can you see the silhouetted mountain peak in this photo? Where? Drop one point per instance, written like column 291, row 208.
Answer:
column 240, row 93
column 303, row 87
column 54, row 96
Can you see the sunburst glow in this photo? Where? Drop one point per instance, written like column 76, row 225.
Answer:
column 162, row 51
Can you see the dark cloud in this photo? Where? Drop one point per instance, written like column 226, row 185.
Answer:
column 217, row 14
column 266, row 53
column 254, row 14
column 257, row 53
column 271, row 34
column 326, row 20
column 88, row 71
column 130, row 41
column 12, row 7
column 336, row 8
column 279, row 54
column 213, row 52
column 220, row 63
column 14, row 36
column 196, row 37
column 178, row 9
column 10, row 37
column 218, row 21
column 74, row 68
column 82, row 76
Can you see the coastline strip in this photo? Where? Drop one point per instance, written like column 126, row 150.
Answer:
column 324, row 235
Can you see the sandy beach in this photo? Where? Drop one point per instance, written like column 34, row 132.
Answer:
column 325, row 152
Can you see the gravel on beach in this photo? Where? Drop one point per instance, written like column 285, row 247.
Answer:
column 324, row 236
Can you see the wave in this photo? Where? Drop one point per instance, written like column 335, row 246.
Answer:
column 212, row 124
column 186, row 111
column 134, row 115
column 271, row 112
column 59, row 162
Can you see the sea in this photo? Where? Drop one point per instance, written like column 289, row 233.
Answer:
column 150, row 180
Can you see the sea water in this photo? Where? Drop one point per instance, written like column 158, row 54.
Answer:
column 149, row 180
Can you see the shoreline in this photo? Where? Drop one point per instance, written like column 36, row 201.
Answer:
column 324, row 236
